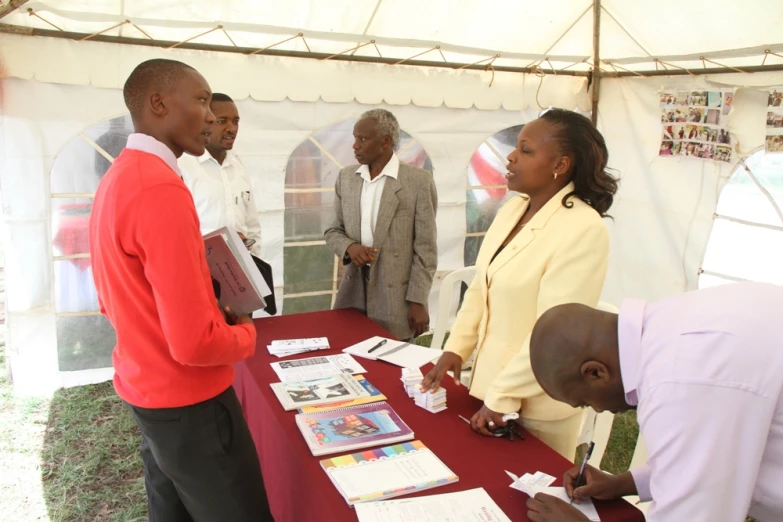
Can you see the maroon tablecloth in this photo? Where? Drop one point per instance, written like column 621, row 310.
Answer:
column 298, row 488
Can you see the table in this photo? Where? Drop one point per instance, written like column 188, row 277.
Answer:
column 297, row 487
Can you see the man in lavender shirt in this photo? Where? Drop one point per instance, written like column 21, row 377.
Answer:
column 704, row 370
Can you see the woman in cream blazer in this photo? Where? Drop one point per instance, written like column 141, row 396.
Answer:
column 547, row 246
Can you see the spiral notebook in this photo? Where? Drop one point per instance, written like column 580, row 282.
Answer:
column 352, row 428
column 387, row 472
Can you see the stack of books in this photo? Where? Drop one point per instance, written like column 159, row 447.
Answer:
column 296, row 346
column 411, row 379
column 431, row 401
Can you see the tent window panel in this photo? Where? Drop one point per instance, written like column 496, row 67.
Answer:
column 84, row 342
column 308, row 215
column 308, row 269
column 742, row 199
column 300, row 305
column 70, row 224
column 309, row 167
column 111, row 136
column 78, row 168
column 472, row 247
column 744, row 251
column 74, row 288
column 481, row 207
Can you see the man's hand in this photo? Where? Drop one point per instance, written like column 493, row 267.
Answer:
column 546, row 508
column 361, row 255
column 234, row 319
column 486, row 418
column 449, row 361
column 418, row 319
column 597, row 484
column 243, row 237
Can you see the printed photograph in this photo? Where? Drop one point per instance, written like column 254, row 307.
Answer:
column 669, row 115
column 668, row 99
column 728, row 100
column 774, row 144
column 713, row 117
column 682, row 97
column 723, row 136
column 688, row 148
column 714, row 98
column 692, row 132
column 698, row 98
column 774, row 120
column 775, row 99
column 722, row 153
column 705, row 151
column 667, row 148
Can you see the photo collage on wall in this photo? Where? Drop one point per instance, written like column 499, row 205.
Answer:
column 774, row 141
column 694, row 124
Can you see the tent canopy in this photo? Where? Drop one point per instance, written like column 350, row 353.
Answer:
column 643, row 35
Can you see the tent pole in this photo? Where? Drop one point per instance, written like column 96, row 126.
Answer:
column 596, row 73
column 12, row 6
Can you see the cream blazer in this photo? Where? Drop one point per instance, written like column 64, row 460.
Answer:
column 560, row 256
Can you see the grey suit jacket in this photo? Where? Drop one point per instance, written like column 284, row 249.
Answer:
column 405, row 234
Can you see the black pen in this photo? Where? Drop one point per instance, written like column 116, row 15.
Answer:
column 377, row 346
column 580, row 476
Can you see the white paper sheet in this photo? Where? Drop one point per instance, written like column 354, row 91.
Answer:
column 473, row 505
column 316, row 367
column 405, row 355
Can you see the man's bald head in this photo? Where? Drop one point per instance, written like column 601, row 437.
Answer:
column 151, row 76
column 574, row 356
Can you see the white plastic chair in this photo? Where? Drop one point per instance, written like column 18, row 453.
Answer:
column 462, row 275
column 445, row 298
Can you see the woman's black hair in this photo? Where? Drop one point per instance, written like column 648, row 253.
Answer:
column 579, row 139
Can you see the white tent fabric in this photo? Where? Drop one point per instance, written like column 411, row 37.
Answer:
column 632, row 33
column 57, row 89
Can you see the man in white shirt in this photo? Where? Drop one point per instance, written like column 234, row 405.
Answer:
column 384, row 230
column 221, row 188
column 704, row 370
column 219, row 182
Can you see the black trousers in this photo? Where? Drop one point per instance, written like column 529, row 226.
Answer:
column 200, row 463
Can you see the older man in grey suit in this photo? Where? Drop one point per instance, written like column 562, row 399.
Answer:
column 384, row 230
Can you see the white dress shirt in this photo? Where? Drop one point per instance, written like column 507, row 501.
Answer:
column 372, row 190
column 222, row 194
column 706, row 371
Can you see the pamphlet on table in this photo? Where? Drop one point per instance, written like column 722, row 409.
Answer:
column 405, row 355
column 318, row 392
column 352, row 428
column 473, row 505
column 296, row 346
column 316, row 367
column 373, row 395
column 387, row 472
column 539, row 482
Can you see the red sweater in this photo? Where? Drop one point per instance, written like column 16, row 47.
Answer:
column 174, row 347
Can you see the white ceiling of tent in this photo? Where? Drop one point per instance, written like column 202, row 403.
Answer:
column 523, row 33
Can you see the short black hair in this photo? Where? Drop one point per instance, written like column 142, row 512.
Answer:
column 220, row 97
column 153, row 74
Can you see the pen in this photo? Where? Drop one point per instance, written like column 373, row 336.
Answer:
column 580, row 476
column 377, row 346
column 463, row 418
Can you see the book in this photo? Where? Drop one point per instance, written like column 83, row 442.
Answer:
column 288, row 347
column 405, row 355
column 241, row 286
column 318, row 392
column 352, row 428
column 473, row 504
column 374, row 395
column 387, row 472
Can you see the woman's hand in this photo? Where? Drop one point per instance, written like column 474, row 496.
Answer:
column 449, row 361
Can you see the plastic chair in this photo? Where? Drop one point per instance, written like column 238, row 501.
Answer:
column 462, row 275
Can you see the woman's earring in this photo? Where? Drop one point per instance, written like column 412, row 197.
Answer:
column 554, row 175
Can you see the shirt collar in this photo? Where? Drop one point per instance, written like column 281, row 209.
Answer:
column 629, row 335
column 229, row 160
column 148, row 144
column 391, row 169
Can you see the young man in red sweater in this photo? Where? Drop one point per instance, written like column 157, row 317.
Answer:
column 175, row 348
